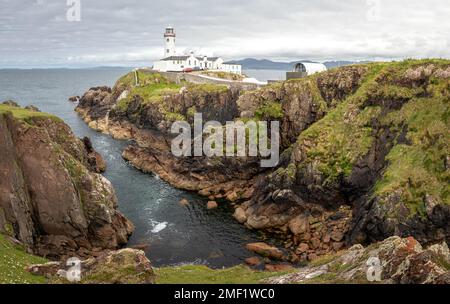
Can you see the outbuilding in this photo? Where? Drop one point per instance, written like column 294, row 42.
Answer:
column 303, row 69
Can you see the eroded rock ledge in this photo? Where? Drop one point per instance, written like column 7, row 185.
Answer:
column 393, row 261
column 124, row 266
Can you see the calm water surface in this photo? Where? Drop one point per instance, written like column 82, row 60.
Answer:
column 175, row 234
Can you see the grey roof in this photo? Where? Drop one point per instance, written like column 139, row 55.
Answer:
column 208, row 58
column 176, row 58
column 186, row 57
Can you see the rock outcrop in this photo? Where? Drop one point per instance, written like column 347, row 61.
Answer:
column 52, row 197
column 124, row 266
column 381, row 152
column 145, row 113
column 393, row 261
column 364, row 150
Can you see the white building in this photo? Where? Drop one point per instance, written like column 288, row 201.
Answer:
column 310, row 67
column 303, row 69
column 173, row 63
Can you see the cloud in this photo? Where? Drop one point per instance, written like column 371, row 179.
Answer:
column 37, row 33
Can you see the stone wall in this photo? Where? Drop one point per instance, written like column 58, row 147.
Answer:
column 193, row 78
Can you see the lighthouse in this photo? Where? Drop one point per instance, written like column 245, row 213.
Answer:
column 171, row 62
column 169, row 38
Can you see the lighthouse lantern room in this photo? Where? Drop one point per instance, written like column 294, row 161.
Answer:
column 169, row 37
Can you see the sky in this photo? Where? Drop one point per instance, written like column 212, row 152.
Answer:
column 79, row 33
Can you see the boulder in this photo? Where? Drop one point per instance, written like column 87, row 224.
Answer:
column 278, row 267
column 302, row 248
column 257, row 222
column 299, row 224
column 11, row 103
column 265, row 250
column 32, row 108
column 239, row 215
column 184, row 202
column 125, row 266
column 74, row 98
column 211, row 205
column 253, row 261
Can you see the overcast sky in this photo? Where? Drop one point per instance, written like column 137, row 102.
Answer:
column 37, row 33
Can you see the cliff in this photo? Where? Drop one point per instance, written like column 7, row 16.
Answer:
column 364, row 150
column 52, row 197
column 392, row 261
column 381, row 150
column 145, row 113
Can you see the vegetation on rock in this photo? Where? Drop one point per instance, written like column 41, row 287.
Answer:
column 395, row 260
column 201, row 274
column 13, row 261
column 364, row 151
column 25, row 114
column 53, row 199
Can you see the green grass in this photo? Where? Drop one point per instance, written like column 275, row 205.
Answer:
column 200, row 274
column 24, row 114
column 345, row 135
column 337, row 141
column 13, row 260
column 418, row 168
column 151, row 93
column 269, row 110
column 144, row 78
column 153, row 88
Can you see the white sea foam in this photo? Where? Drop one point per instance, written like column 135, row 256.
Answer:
column 159, row 227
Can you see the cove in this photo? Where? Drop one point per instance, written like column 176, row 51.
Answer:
column 170, row 234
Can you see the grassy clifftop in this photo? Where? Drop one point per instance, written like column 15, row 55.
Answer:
column 26, row 115
column 409, row 100
column 157, row 92
column 14, row 260
column 201, row 274
column 375, row 136
column 405, row 105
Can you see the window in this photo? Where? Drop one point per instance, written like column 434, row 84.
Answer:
column 168, row 51
column 167, row 39
column 189, row 62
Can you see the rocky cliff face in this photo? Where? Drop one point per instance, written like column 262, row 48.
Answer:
column 393, row 261
column 124, row 266
column 364, row 150
column 52, row 197
column 145, row 112
column 381, row 151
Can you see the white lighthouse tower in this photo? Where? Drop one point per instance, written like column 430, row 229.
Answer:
column 169, row 38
